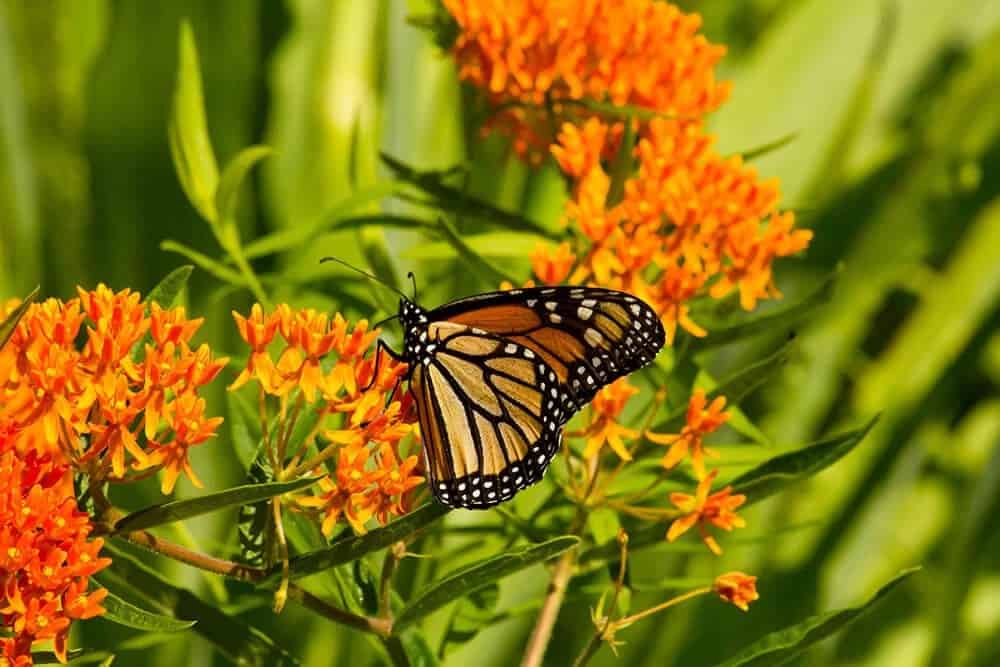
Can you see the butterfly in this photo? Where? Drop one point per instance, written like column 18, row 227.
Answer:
column 496, row 376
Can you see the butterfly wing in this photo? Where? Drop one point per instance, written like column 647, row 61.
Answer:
column 491, row 414
column 588, row 336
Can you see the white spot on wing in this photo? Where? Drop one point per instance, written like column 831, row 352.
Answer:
column 584, row 313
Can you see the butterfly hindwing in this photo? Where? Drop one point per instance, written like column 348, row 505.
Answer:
column 491, row 414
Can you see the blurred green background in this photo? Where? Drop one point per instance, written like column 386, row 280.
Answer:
column 895, row 165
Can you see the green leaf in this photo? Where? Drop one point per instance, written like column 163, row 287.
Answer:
column 769, row 147
column 454, row 200
column 129, row 615
column 782, row 646
column 776, row 322
column 479, row 575
column 217, row 269
column 227, row 195
column 190, row 145
column 505, row 245
column 775, row 474
column 297, row 235
column 185, row 509
column 352, row 548
column 487, row 270
column 10, row 322
column 471, row 614
column 167, row 290
column 241, row 643
column 244, row 428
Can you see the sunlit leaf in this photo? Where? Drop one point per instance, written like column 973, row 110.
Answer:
column 782, row 646
column 240, row 642
column 486, row 269
column 227, row 195
column 479, row 575
column 190, row 145
column 775, row 474
column 351, row 548
column 769, row 147
column 506, row 245
column 167, row 290
column 471, row 614
column 203, row 261
column 10, row 322
column 185, row 509
column 127, row 614
column 776, row 322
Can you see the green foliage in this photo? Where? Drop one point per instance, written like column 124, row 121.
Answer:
column 888, row 149
column 9, row 323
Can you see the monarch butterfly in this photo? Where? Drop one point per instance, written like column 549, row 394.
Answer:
column 496, row 376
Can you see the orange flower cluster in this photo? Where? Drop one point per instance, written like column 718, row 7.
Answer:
column 361, row 414
column 126, row 397
column 700, row 422
column 537, row 59
column 717, row 509
column 689, row 223
column 45, row 556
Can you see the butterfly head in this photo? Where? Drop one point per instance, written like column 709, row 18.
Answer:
column 414, row 320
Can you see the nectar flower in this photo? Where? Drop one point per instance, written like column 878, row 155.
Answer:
column 107, row 402
column 737, row 588
column 700, row 422
column 703, row 509
column 46, row 558
column 605, row 429
column 552, row 267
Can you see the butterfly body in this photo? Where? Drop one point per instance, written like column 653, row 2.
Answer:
column 496, row 376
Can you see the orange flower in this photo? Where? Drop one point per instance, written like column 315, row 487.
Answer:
column 552, row 267
column 350, row 493
column 675, row 288
column 716, row 509
column 45, row 556
column 258, row 332
column 102, row 404
column 700, row 422
column 604, row 428
column 532, row 57
column 737, row 588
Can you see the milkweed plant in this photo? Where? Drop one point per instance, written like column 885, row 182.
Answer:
column 107, row 388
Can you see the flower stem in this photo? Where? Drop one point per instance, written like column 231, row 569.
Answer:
column 376, row 626
column 540, row 636
column 311, row 464
column 226, row 568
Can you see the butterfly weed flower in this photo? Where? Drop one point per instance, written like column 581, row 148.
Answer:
column 361, row 420
column 737, row 588
column 46, row 556
column 704, row 509
column 605, row 428
column 702, row 418
column 104, row 381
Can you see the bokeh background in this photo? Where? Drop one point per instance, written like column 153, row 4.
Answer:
column 895, row 165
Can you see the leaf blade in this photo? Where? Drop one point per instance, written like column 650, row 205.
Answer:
column 125, row 613
column 167, row 290
column 227, row 194
column 778, row 647
column 10, row 322
column 475, row 577
column 185, row 509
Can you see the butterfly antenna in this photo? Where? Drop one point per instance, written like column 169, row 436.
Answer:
column 383, row 321
column 372, row 277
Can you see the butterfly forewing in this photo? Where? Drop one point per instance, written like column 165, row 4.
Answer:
column 491, row 413
column 589, row 336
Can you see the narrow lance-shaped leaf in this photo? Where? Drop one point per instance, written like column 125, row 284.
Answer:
column 129, row 615
column 775, row 474
column 10, row 322
column 203, row 261
column 185, row 509
column 782, row 646
column 349, row 549
column 227, row 195
column 488, row 271
column 241, row 643
column 776, row 322
column 167, row 290
column 190, row 145
column 478, row 576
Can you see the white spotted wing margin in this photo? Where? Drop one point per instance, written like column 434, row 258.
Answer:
column 491, row 415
